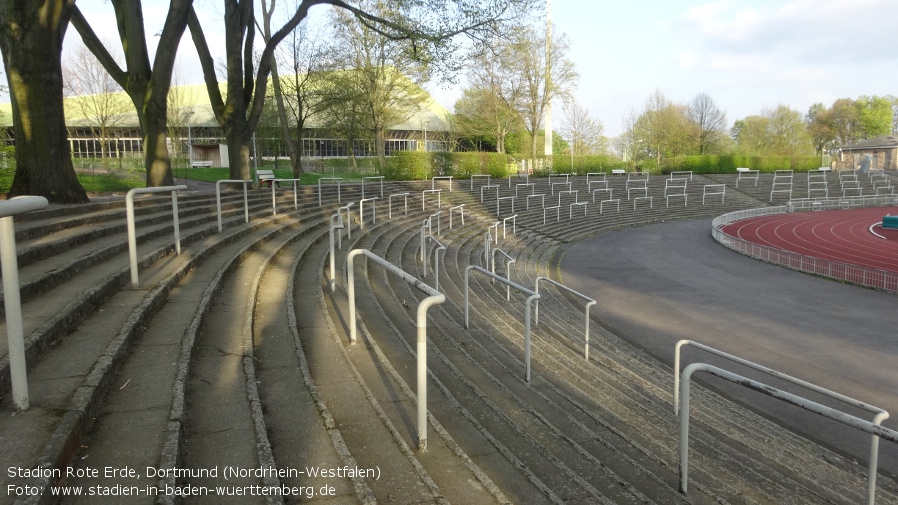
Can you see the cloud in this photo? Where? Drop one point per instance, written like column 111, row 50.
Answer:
column 835, row 31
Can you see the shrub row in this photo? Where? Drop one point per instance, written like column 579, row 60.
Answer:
column 719, row 164
column 415, row 165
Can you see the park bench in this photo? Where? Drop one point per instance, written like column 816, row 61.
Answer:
column 201, row 163
column 265, row 177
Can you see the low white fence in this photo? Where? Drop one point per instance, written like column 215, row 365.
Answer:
column 862, row 276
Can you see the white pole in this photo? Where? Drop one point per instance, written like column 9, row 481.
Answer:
column 12, row 302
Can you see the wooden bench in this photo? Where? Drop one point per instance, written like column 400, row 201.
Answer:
column 265, row 177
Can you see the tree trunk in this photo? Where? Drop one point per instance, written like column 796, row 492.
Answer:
column 380, row 147
column 238, row 136
column 289, row 144
column 31, row 35
column 155, row 145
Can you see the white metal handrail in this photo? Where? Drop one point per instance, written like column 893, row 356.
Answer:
column 347, row 222
column 12, row 297
column 514, row 226
column 434, row 298
column 748, row 174
column 590, row 303
column 602, row 175
column 438, row 192
column 425, row 232
column 373, row 178
column 610, row 192
column 373, row 201
column 274, row 186
column 575, row 192
column 518, row 176
column 433, row 181
column 481, row 176
column 880, row 414
column 531, row 296
column 542, row 198
column 553, row 184
column 338, row 180
column 390, row 203
column 461, row 210
column 557, row 213
column 487, row 244
column 218, row 198
column 495, row 226
column 716, row 189
column 430, row 222
column 509, row 262
column 680, row 174
column 489, row 186
column 531, row 185
column 438, row 247
column 132, row 232
column 499, row 202
column 333, row 262
column 856, row 422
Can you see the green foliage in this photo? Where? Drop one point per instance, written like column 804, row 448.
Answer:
column 725, row 164
column 467, row 164
column 582, row 165
column 408, row 165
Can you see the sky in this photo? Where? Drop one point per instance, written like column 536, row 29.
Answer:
column 748, row 55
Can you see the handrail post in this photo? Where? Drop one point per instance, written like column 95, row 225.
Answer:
column 218, row 198
column 12, row 301
column 333, row 261
column 434, row 298
column 132, row 232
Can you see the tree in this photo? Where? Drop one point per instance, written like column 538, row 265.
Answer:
column 709, row 121
column 584, row 132
column 93, row 95
column 663, row 127
column 546, row 74
column 481, row 113
column 31, row 34
column 420, row 23
column 874, row 115
column 181, row 100
column 776, row 132
column 146, row 85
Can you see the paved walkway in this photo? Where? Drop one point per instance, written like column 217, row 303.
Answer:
column 661, row 283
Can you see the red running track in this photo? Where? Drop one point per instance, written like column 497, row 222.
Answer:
column 837, row 235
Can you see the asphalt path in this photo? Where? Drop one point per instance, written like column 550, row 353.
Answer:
column 658, row 284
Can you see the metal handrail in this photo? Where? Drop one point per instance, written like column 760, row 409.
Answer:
column 880, row 414
column 433, row 181
column 461, row 210
column 479, row 175
column 373, row 177
column 274, row 186
column 434, row 298
column 531, row 297
column 439, row 193
column 509, row 262
column 488, row 186
column 499, row 202
column 590, row 303
column 514, row 225
column 132, row 232
column 436, row 262
column 333, row 261
column 218, row 198
column 347, row 222
column 487, row 243
column 362, row 210
column 390, row 203
column 866, row 426
column 12, row 297
column 339, row 181
column 495, row 226
column 430, row 222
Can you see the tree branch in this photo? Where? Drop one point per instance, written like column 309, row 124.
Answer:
column 97, row 48
column 207, row 64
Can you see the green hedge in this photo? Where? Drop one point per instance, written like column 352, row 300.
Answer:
column 722, row 164
column 582, row 165
column 416, row 165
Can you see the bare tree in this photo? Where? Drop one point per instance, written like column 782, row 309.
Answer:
column 94, row 96
column 585, row 133
column 709, row 120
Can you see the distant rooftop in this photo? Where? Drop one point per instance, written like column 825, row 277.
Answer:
column 887, row 142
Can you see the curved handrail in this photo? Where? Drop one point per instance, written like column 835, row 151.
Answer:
column 590, row 303
column 531, row 297
column 15, row 330
column 434, row 298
